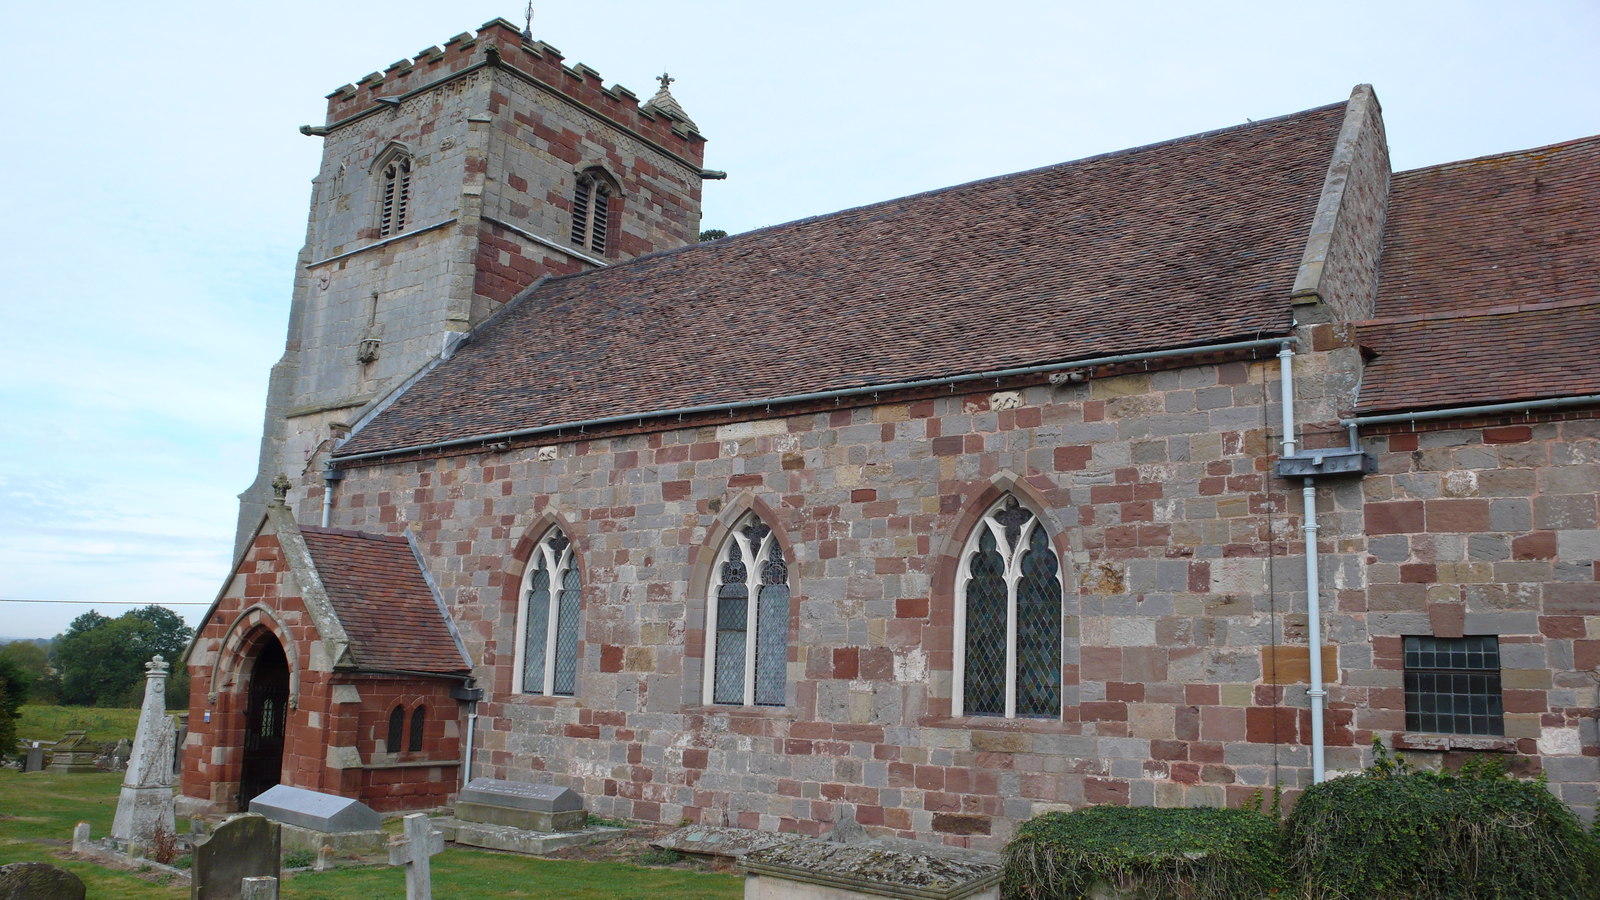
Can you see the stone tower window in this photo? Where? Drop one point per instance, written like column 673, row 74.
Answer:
column 1008, row 618
column 547, row 622
column 747, row 620
column 396, row 197
column 591, row 210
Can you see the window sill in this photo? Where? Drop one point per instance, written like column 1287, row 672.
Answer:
column 991, row 723
column 752, row 712
column 540, row 700
column 1480, row 742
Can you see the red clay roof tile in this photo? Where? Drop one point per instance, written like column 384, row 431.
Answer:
column 1192, row 241
column 383, row 600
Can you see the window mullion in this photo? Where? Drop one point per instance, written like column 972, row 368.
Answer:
column 752, row 582
column 552, row 616
column 1012, row 579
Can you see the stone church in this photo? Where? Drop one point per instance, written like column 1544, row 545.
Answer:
column 935, row 514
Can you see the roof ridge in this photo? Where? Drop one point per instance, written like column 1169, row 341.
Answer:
column 1097, row 157
column 1506, row 154
column 1505, row 309
column 348, row 532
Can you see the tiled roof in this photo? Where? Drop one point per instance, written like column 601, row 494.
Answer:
column 1490, row 288
column 383, row 600
column 1192, row 241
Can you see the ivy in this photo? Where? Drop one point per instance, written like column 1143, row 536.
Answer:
column 1151, row 854
column 1394, row 831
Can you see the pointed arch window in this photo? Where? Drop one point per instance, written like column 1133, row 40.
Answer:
column 394, row 201
column 591, row 210
column 547, row 622
column 418, row 728
column 747, row 620
column 1008, row 618
column 397, row 724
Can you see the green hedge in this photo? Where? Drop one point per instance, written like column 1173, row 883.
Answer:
column 1394, row 832
column 1154, row 854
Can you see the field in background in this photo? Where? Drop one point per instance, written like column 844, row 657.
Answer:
column 49, row 723
column 38, row 810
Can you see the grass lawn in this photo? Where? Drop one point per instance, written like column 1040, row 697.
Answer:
column 49, row 723
column 38, row 810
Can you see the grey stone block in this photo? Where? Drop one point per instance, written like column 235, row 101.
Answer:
column 315, row 811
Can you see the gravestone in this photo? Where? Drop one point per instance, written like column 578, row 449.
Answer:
column 245, row 846
column 533, row 807
column 312, row 820
column 34, row 762
column 259, row 889
column 122, row 753
column 146, row 806
column 413, row 850
column 38, row 881
column 73, row 753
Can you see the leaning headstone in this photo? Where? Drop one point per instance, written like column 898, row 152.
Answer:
column 34, row 761
column 73, row 753
column 412, row 850
column 80, row 837
column 534, row 807
column 312, row 819
column 244, row 846
column 38, row 881
column 146, row 806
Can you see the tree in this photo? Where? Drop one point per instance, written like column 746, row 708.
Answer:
column 102, row 660
column 712, row 234
column 34, row 661
column 13, row 692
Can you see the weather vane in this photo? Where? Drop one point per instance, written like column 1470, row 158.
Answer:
column 527, row 28
column 665, row 80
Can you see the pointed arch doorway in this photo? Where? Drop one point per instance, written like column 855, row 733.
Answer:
column 266, row 713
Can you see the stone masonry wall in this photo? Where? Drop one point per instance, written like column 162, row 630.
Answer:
column 1184, row 604
column 1489, row 529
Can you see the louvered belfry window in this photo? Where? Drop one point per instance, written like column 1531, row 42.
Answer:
column 392, row 214
column 590, row 210
column 548, row 620
column 748, row 620
column 1009, row 618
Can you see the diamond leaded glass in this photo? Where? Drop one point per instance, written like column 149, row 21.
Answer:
column 985, row 679
column 733, row 616
column 537, row 617
column 566, row 674
column 1039, row 630
column 772, row 629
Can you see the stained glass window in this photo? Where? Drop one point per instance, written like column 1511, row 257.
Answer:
column 549, row 619
column 1009, row 618
column 748, row 616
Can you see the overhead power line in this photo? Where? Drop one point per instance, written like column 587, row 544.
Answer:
column 107, row 602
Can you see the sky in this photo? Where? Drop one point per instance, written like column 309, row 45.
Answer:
column 153, row 186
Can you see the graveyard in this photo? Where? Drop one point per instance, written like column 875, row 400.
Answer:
column 38, row 811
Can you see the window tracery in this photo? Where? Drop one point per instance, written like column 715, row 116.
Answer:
column 747, row 620
column 547, row 621
column 1008, row 618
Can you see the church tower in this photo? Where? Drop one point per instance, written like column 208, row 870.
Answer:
column 449, row 183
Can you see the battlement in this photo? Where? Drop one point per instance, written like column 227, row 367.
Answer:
column 499, row 43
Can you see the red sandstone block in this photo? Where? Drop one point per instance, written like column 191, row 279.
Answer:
column 1524, row 701
column 1105, row 790
column 1267, row 725
column 1124, row 691
column 1537, row 545
column 1074, row 458
column 911, row 608
column 1457, row 515
column 1562, row 626
column 1394, row 517
column 1169, row 750
column 1419, row 573
column 1104, row 712
column 928, row 778
column 610, row 658
column 1509, row 434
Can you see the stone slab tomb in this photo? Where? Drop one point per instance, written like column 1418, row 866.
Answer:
column 38, row 881
column 312, row 820
column 244, row 846
column 819, row 869
column 532, row 807
column 73, row 753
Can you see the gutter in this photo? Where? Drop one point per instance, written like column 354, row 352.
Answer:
column 1075, row 371
column 1355, row 422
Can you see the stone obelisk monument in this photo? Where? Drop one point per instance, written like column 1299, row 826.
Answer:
column 146, row 805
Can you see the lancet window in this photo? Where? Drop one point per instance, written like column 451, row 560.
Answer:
column 395, row 201
column 1008, row 618
column 591, row 209
column 547, row 651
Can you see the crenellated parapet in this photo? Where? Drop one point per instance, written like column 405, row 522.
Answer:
column 500, row 44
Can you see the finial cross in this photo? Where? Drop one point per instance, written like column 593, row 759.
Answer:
column 665, row 80
column 527, row 28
